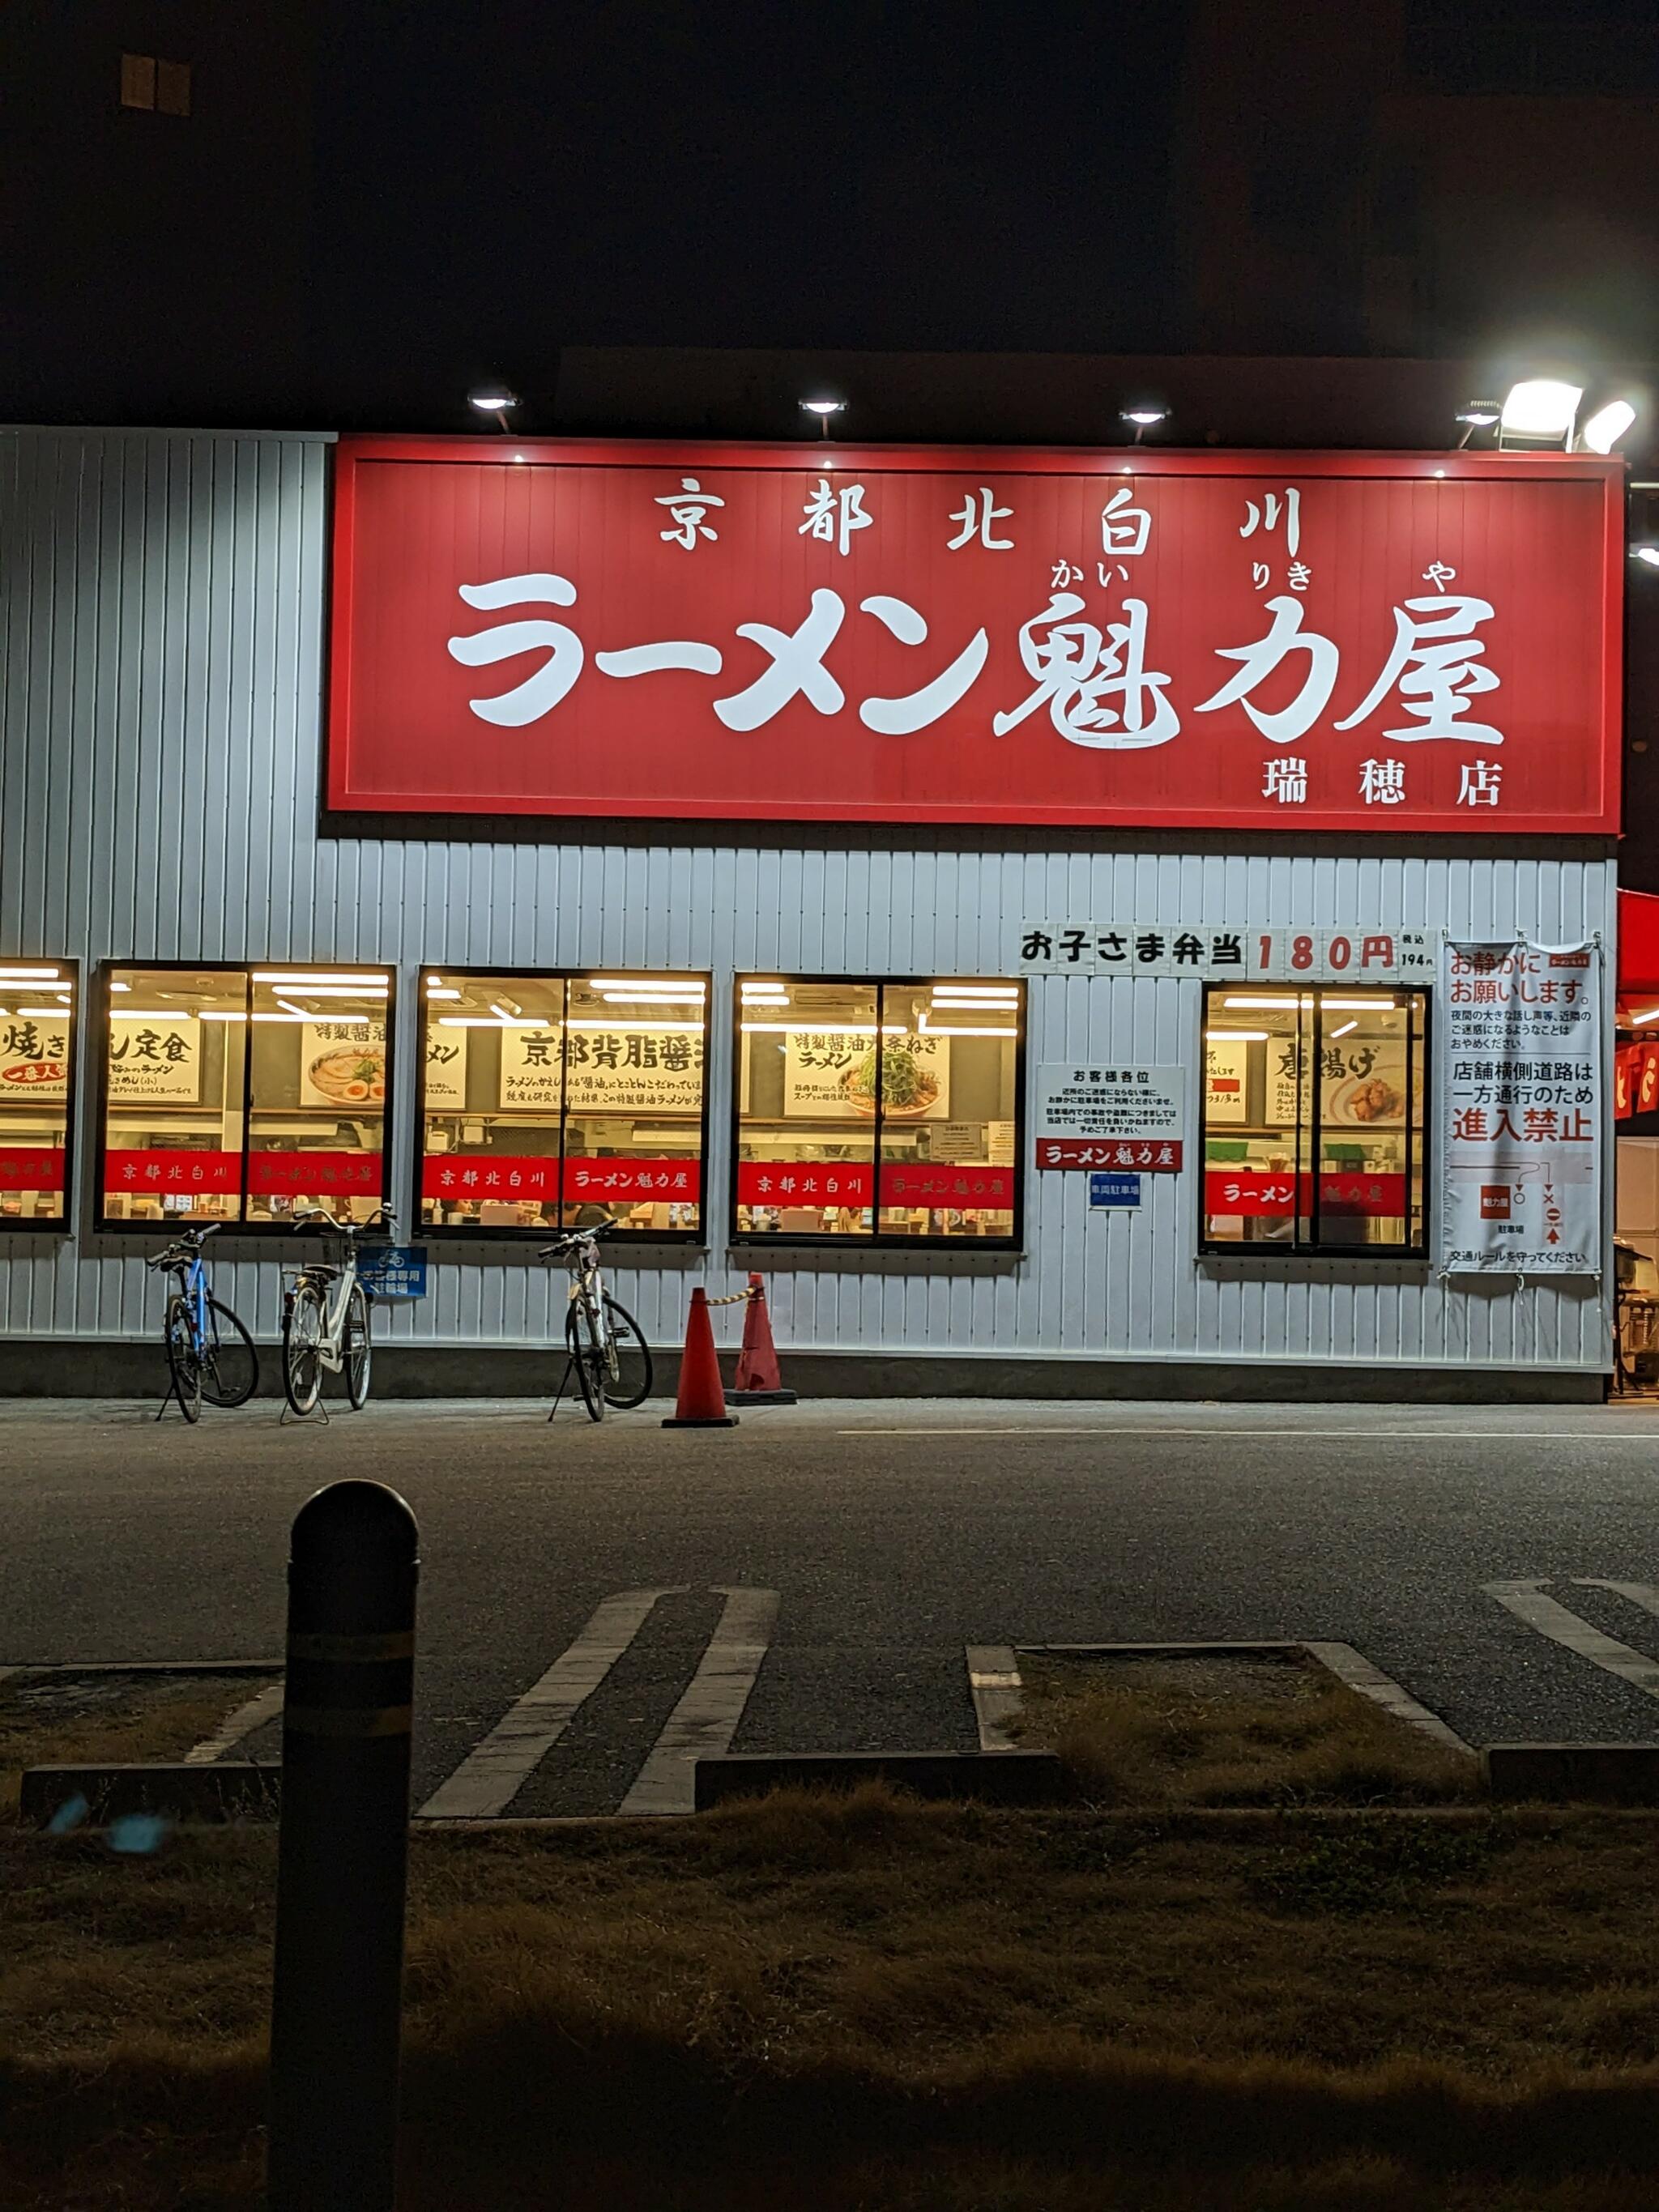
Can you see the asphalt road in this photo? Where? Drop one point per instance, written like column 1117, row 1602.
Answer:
column 892, row 1533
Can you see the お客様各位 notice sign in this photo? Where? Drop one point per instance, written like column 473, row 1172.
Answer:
column 1110, row 1116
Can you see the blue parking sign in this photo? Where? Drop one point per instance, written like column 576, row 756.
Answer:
column 1113, row 1190
column 392, row 1270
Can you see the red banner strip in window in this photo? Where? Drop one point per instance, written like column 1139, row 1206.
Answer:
column 939, row 1183
column 1249, row 1192
column 31, row 1167
column 1151, row 1155
column 1382, row 1195
column 608, row 1182
column 173, row 1168
column 314, row 1175
column 457, row 1176
column 806, row 1182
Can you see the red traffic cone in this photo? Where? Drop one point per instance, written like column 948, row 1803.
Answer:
column 702, row 1402
column 758, row 1382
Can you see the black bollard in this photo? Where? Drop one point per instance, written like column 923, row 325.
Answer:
column 342, row 1860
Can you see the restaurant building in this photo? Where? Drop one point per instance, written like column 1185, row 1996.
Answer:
column 1081, row 922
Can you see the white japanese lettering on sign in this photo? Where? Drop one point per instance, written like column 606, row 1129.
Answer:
column 1223, row 955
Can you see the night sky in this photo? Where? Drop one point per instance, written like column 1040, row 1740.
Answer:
column 904, row 176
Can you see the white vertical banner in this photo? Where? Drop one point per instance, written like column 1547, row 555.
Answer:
column 1522, row 1118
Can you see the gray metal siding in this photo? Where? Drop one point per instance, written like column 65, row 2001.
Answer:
column 161, row 624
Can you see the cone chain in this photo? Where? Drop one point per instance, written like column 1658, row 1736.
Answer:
column 758, row 1381
column 701, row 1401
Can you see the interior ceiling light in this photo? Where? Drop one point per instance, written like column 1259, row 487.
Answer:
column 42, row 975
column 678, row 985
column 1650, row 553
column 1651, row 1015
column 296, row 978
column 1607, row 426
column 1235, row 1036
column 1540, row 411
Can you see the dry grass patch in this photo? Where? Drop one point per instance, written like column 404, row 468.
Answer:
column 1223, row 1731
column 860, row 2004
column 70, row 1719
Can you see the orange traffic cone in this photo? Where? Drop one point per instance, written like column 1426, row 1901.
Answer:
column 702, row 1402
column 758, row 1381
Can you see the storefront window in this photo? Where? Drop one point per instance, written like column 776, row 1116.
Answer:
column 1314, row 1135
column 233, row 1094
column 571, row 1101
column 174, row 1078
column 37, row 1092
column 318, row 1067
column 876, row 1110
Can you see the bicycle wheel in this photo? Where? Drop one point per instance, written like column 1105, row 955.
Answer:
column 183, row 1363
column 230, row 1365
column 302, row 1335
column 356, row 1348
column 628, row 1362
column 581, row 1335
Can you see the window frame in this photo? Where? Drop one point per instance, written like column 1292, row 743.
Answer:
column 1408, row 1254
column 64, row 1223
column 618, row 1240
column 242, row 1225
column 875, row 1238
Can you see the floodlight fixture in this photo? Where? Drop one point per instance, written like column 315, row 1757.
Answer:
column 496, row 400
column 1145, row 417
column 1538, row 413
column 1607, row 426
column 823, row 407
column 1648, row 555
column 1478, row 414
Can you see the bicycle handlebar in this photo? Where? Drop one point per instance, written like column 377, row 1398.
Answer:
column 382, row 1217
column 186, row 1245
column 562, row 1244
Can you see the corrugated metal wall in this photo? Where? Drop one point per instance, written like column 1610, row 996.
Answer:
column 160, row 659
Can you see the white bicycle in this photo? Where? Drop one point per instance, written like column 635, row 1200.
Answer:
column 603, row 1343
column 325, row 1317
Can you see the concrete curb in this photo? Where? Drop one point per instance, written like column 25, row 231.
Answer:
column 1618, row 1773
column 1003, row 1777
column 227, row 1792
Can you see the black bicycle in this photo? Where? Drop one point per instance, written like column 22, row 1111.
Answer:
column 604, row 1343
column 210, row 1354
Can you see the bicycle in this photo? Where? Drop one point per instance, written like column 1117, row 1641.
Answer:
column 605, row 1346
column 326, row 1318
column 210, row 1354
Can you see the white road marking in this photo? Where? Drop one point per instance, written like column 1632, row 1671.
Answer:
column 995, row 1685
column 496, row 1769
column 1354, row 1435
column 1642, row 1593
column 1353, row 1667
column 1526, row 1601
column 704, row 1722
column 260, row 1708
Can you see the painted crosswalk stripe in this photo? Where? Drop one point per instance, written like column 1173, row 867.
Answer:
column 1642, row 1593
column 1527, row 1601
column 243, row 1722
column 993, row 1683
column 704, row 1722
column 496, row 1769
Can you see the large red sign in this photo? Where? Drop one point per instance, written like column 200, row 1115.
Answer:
column 1422, row 641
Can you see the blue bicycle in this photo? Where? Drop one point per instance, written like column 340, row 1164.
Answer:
column 210, row 1354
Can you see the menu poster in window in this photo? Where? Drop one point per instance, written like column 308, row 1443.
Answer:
column 1288, row 1077
column 343, row 1064
column 155, row 1058
column 533, row 1069
column 34, row 1057
column 830, row 1075
column 1365, row 1084
column 444, row 1076
column 1226, row 1077
column 633, row 1070
column 1521, row 1126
